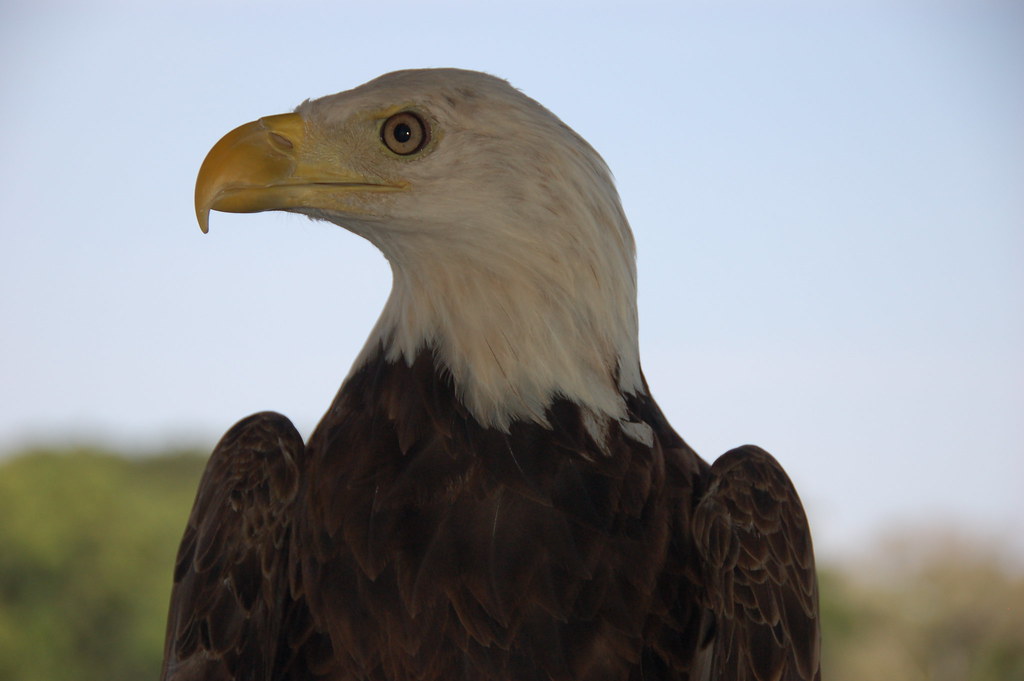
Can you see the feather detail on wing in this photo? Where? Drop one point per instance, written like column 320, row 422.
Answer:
column 753, row 537
column 231, row 574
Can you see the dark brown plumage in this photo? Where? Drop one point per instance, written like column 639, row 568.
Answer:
column 493, row 494
column 408, row 542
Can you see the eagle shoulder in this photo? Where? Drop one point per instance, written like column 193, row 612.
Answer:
column 231, row 574
column 758, row 564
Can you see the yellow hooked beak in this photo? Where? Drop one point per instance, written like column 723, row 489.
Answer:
column 267, row 165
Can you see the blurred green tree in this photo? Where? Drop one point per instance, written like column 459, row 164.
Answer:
column 925, row 606
column 85, row 571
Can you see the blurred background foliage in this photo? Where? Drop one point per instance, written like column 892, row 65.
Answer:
column 87, row 543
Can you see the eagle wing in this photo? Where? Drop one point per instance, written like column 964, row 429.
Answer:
column 755, row 545
column 231, row 575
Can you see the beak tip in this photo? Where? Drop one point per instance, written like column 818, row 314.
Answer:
column 204, row 220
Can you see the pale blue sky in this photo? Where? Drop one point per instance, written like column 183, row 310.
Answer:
column 829, row 210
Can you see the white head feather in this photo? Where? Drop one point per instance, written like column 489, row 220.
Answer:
column 510, row 253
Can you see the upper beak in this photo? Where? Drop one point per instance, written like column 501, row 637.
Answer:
column 267, row 165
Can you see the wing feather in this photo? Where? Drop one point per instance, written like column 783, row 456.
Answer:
column 231, row 574
column 755, row 545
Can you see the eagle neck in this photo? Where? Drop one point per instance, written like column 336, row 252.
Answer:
column 512, row 335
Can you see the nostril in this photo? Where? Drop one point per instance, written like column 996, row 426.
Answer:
column 281, row 142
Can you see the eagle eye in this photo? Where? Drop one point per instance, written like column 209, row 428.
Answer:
column 405, row 133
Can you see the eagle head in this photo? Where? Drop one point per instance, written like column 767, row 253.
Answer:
column 512, row 259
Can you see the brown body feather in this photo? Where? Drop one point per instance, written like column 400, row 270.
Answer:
column 407, row 542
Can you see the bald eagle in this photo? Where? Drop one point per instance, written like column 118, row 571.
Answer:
column 493, row 495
